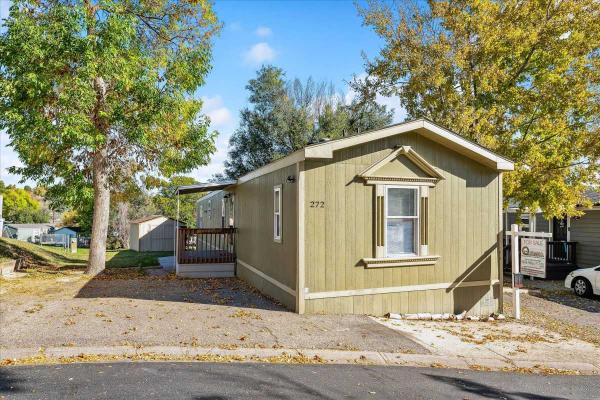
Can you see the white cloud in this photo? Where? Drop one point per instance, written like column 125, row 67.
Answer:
column 259, row 53
column 263, row 31
column 392, row 103
column 221, row 119
column 216, row 165
column 234, row 26
column 220, row 116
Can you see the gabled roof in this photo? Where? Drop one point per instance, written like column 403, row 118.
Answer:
column 425, row 128
column 411, row 155
column 148, row 218
column 422, row 126
column 76, row 229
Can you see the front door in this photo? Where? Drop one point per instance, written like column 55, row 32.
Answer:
column 559, row 229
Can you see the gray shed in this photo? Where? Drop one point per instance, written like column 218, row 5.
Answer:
column 152, row 233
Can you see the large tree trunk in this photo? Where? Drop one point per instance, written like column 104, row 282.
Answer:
column 97, row 260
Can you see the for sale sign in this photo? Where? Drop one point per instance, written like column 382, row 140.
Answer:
column 533, row 257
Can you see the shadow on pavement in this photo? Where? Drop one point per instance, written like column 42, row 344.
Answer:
column 482, row 390
column 9, row 383
column 137, row 284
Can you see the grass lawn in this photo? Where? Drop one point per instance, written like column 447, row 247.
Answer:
column 36, row 255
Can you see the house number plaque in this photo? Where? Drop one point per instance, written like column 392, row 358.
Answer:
column 317, row 204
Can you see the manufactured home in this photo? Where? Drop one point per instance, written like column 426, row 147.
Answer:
column 575, row 241
column 402, row 219
column 26, row 232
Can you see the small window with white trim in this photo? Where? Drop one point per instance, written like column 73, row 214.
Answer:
column 401, row 221
column 277, row 213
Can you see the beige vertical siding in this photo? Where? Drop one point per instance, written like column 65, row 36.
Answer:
column 156, row 235
column 134, row 238
column 586, row 232
column 211, row 214
column 463, row 230
column 255, row 244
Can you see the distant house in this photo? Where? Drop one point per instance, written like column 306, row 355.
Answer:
column 26, row 232
column 152, row 233
column 67, row 233
column 581, row 233
column 400, row 219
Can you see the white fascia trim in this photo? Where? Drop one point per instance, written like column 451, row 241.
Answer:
column 396, row 289
column 291, row 159
column 502, row 164
column 441, row 135
column 326, row 149
column 267, row 278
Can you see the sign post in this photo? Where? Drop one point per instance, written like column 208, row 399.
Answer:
column 533, row 255
column 514, row 228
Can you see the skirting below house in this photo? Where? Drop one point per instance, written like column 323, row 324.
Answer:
column 220, row 270
column 395, row 289
column 477, row 298
column 267, row 284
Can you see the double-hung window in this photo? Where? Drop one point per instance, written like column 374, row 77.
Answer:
column 401, row 221
column 277, row 213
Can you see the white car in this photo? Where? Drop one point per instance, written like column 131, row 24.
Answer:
column 585, row 281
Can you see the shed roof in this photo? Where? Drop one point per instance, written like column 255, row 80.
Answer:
column 76, row 229
column 148, row 218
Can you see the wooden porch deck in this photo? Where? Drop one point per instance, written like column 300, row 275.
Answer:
column 206, row 252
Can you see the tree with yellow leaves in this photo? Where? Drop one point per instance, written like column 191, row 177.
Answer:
column 519, row 77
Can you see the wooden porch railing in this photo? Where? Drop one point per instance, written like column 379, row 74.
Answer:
column 206, row 245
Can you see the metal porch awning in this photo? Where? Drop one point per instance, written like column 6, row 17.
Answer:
column 204, row 187
column 195, row 188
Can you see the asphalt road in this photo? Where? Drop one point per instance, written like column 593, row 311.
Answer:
column 276, row 381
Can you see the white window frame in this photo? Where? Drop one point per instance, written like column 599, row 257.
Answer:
column 417, row 218
column 277, row 224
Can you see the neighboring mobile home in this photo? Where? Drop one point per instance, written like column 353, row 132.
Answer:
column 26, row 232
column 575, row 240
column 402, row 219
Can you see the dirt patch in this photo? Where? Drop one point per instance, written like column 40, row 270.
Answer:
column 560, row 311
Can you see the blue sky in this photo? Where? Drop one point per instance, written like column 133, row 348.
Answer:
column 322, row 39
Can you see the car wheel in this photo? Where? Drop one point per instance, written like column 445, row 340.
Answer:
column 582, row 287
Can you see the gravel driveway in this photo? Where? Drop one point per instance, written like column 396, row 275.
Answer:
column 129, row 307
column 550, row 305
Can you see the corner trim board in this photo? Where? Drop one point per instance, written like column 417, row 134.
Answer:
column 267, row 278
column 397, row 289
